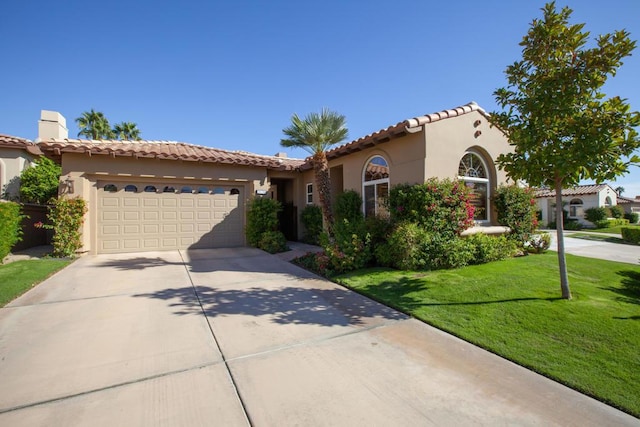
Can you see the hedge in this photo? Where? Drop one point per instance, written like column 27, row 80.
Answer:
column 10, row 230
column 631, row 234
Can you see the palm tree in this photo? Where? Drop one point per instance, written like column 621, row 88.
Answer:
column 315, row 133
column 126, row 130
column 94, row 125
column 619, row 190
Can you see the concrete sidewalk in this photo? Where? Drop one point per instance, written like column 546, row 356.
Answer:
column 239, row 337
column 618, row 252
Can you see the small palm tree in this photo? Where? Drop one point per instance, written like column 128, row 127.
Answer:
column 94, row 125
column 315, row 133
column 126, row 130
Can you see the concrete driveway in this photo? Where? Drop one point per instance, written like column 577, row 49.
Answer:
column 236, row 337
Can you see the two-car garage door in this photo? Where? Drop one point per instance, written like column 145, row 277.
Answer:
column 138, row 217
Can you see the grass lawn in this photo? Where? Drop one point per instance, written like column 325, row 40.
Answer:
column 599, row 238
column 612, row 230
column 512, row 308
column 18, row 277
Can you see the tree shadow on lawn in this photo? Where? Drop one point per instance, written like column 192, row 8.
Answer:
column 286, row 305
column 630, row 289
column 398, row 293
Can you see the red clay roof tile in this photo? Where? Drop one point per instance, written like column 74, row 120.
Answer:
column 8, row 141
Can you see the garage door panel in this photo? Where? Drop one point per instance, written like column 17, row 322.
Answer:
column 146, row 221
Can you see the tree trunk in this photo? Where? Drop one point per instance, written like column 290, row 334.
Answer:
column 323, row 184
column 562, row 262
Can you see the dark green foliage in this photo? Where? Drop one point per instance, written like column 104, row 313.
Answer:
column 617, row 211
column 311, row 218
column 10, row 231
column 596, row 214
column 405, row 248
column 572, row 224
column 262, row 216
column 516, row 208
column 491, row 248
column 632, row 217
column 272, row 242
column 631, row 234
column 608, row 223
column 379, row 229
column 348, row 206
column 39, row 182
column 66, row 218
column 349, row 248
column 440, row 206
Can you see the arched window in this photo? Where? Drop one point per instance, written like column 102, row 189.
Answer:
column 186, row 189
column 234, row 191
column 203, row 190
column 110, row 188
column 150, row 189
column 607, row 202
column 575, row 208
column 375, row 186
column 218, row 190
column 473, row 171
column 169, row 189
column 131, row 188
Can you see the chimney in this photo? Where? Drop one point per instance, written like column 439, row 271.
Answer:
column 52, row 125
column 281, row 155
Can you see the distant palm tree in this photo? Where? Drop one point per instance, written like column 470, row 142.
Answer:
column 94, row 125
column 619, row 190
column 315, row 133
column 126, row 130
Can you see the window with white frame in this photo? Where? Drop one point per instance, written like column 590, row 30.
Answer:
column 473, row 171
column 375, row 186
column 576, row 208
column 309, row 193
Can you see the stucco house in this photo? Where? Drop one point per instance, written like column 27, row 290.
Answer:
column 576, row 200
column 160, row 195
column 16, row 154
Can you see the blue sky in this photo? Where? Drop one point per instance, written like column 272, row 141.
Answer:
column 230, row 74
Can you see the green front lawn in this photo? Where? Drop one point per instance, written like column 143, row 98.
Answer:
column 512, row 308
column 612, row 230
column 18, row 277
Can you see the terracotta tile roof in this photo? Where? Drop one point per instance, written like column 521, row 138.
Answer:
column 627, row 200
column 8, row 141
column 580, row 190
column 399, row 129
column 169, row 150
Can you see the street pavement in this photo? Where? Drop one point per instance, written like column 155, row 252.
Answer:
column 237, row 337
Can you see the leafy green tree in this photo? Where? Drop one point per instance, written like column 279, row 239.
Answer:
column 39, row 182
column 555, row 114
column 94, row 125
column 315, row 134
column 127, row 131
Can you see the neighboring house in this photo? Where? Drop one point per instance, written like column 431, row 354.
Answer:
column 16, row 154
column 160, row 195
column 576, row 200
column 630, row 205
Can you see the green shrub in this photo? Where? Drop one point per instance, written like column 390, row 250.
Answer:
column 262, row 216
column 632, row 217
column 491, row 248
column 440, row 206
column 379, row 229
column 405, row 249
column 539, row 243
column 517, row 210
column 596, row 214
column 349, row 248
column 39, row 182
column 617, row 211
column 348, row 206
column 608, row 223
column 66, row 217
column 10, row 229
column 454, row 253
column 631, row 234
column 273, row 242
column 311, row 217
column 572, row 224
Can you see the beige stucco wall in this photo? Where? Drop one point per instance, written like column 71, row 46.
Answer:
column 85, row 171
column 12, row 163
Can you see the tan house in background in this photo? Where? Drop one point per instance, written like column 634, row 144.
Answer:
column 160, row 195
column 16, row 154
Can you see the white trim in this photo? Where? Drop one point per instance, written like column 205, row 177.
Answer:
column 373, row 184
column 309, row 193
column 486, row 181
